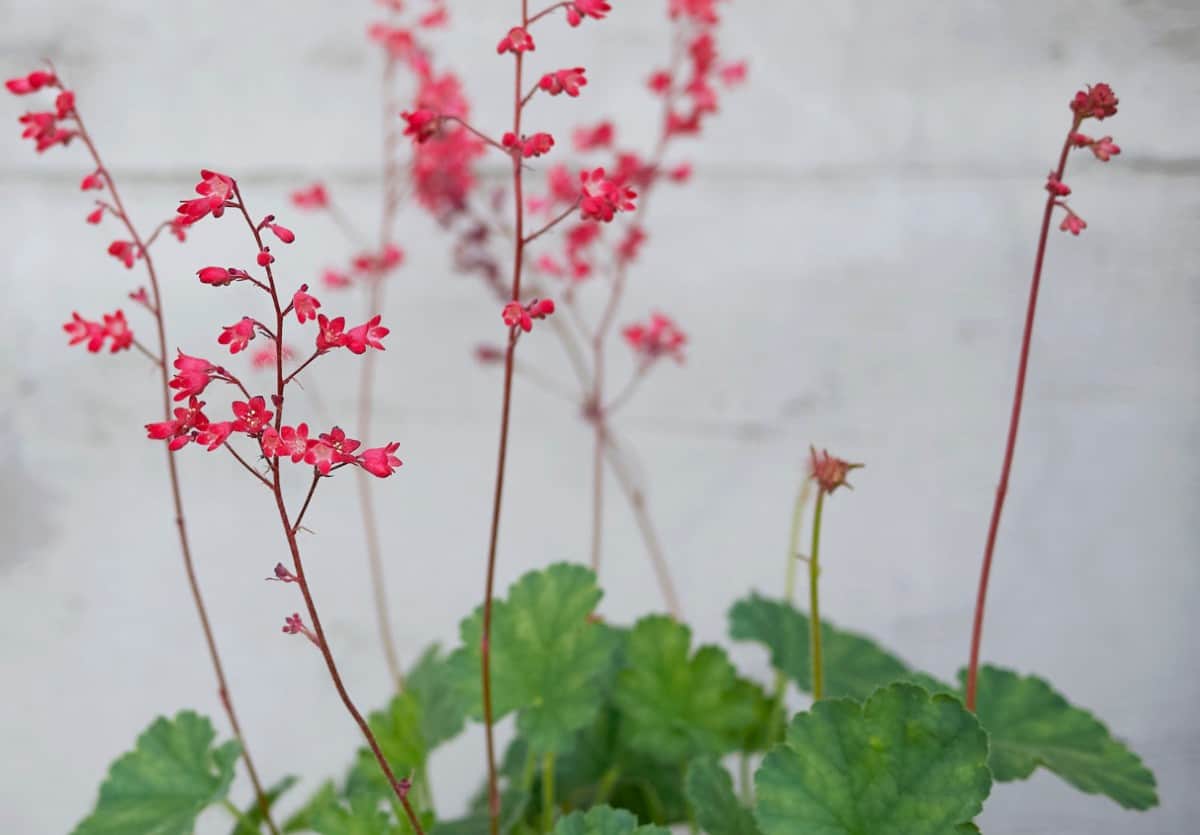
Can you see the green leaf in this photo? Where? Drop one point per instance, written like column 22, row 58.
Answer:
column 605, row 820
column 253, row 813
column 678, row 707
column 716, row 807
column 513, row 804
column 549, row 657
column 854, row 665
column 163, row 784
column 302, row 820
column 1031, row 724
column 905, row 763
column 361, row 817
column 443, row 708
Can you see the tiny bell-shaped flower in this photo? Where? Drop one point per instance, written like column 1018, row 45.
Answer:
column 516, row 41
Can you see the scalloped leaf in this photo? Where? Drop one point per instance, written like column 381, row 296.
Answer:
column 549, row 656
column 904, row 763
column 443, row 709
column 675, row 706
column 361, row 816
column 160, row 787
column 714, row 804
column 605, row 820
column 854, row 665
column 1031, row 724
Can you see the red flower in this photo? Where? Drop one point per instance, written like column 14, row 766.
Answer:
column 700, row 11
column 213, row 435
column 237, row 336
column 124, row 251
column 517, row 315
column 628, row 249
column 680, row 173
column 335, row 280
column 380, row 461
column 370, row 334
column 589, row 139
column 422, row 124
column 733, row 74
column 179, row 431
column 1105, row 149
column 95, row 215
column 1056, row 186
column 532, row 146
column 601, row 198
column 43, row 129
column 516, row 41
column 311, row 197
column 657, row 338
column 92, row 182
column 829, row 472
column 304, row 305
column 265, row 257
column 113, row 327
column 288, row 441
column 252, row 415
column 329, row 332
column 64, row 103
column 564, row 81
column 331, row 448
column 659, row 82
column 31, row 83
column 194, row 375
column 216, row 276
column 295, row 626
column 579, row 9
column 1097, row 101
column 265, row 356
column 215, row 191
column 1073, row 223
column 282, row 232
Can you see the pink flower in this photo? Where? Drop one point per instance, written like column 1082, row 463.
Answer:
column 179, row 431
column 631, row 244
column 829, row 472
column 44, row 130
column 422, row 124
column 331, row 448
column 657, row 338
column 92, row 182
column 370, row 334
column 237, row 336
column 580, row 9
column 311, row 197
column 1056, row 186
column 517, row 315
column 31, row 83
column 659, row 81
column 329, row 332
column 733, row 74
column 265, row 257
column 124, row 251
column 252, row 415
column 304, row 304
column 216, row 276
column 516, row 41
column 1073, row 223
column 1097, row 101
column 599, row 136
column 564, row 81
column 700, row 11
column 213, row 435
column 532, row 146
column 380, row 461
column 117, row 330
column 95, row 215
column 85, row 330
column 64, row 104
column 601, row 198
column 680, row 173
column 288, row 441
column 282, row 232
column 194, row 375
column 335, row 280
column 283, row 575
column 1105, row 149
column 295, row 626
column 215, row 191
column 265, row 356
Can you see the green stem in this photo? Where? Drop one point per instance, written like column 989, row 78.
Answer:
column 426, row 793
column 607, row 783
column 548, row 793
column 779, row 715
column 242, row 820
column 745, row 779
column 814, row 608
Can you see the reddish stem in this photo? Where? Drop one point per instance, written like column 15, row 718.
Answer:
column 502, row 456
column 399, row 787
column 173, row 476
column 1013, row 423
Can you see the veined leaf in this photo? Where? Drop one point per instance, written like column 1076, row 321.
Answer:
column 605, row 820
column 716, row 807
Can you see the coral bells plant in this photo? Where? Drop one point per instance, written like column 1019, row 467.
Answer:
column 619, row 729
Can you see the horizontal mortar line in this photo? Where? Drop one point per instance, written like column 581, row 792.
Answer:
column 719, row 173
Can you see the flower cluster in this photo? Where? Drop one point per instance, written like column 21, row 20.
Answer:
column 601, row 197
column 659, row 337
column 1096, row 102
column 113, row 328
column 567, row 81
column 44, row 127
column 520, row 315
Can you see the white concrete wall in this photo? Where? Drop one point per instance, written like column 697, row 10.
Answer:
column 852, row 264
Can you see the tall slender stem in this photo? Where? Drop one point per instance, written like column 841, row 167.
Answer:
column 789, row 596
column 399, row 787
column 366, row 388
column 548, row 793
column 1013, row 423
column 502, row 454
column 173, row 476
column 814, row 601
